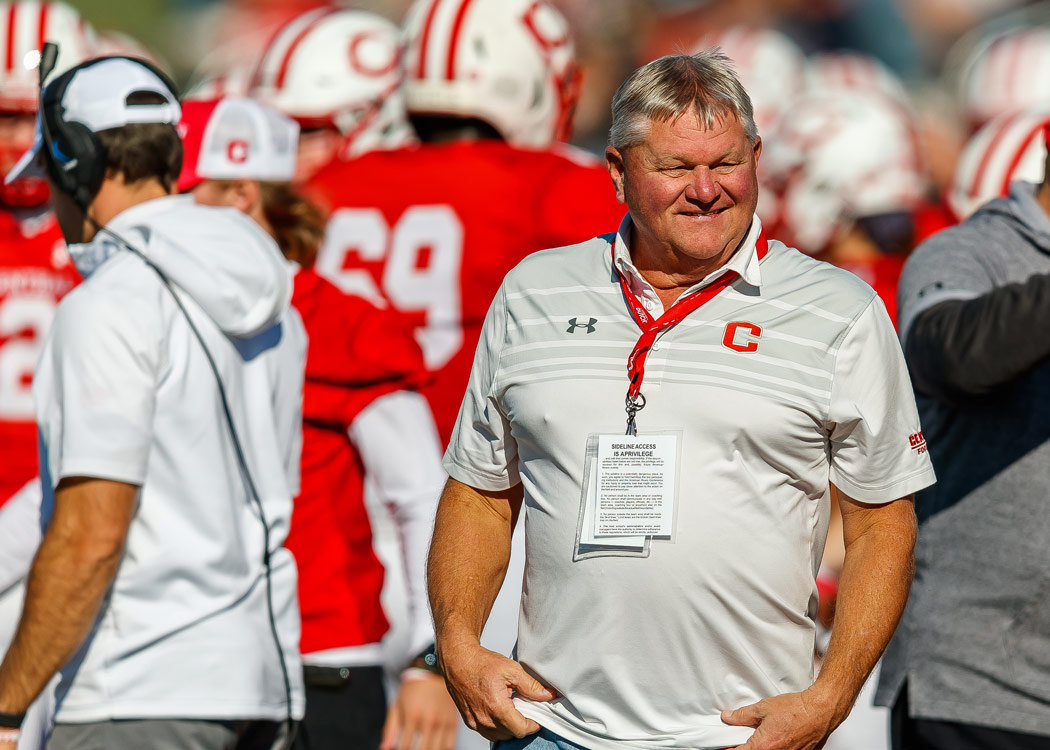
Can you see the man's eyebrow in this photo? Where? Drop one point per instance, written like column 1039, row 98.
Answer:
column 732, row 154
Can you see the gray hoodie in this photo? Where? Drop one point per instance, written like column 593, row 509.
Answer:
column 974, row 644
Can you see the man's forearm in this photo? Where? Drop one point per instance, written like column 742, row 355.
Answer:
column 873, row 589
column 468, row 558
column 67, row 582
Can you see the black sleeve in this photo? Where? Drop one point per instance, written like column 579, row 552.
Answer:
column 971, row 347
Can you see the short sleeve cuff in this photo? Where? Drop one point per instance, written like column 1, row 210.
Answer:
column 473, row 478
column 114, row 471
column 884, row 493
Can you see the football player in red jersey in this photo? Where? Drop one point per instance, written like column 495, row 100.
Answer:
column 363, row 423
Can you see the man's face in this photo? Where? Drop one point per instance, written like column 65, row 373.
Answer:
column 691, row 190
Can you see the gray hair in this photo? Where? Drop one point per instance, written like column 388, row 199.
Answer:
column 673, row 85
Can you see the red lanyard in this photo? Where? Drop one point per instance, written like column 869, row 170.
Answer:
column 652, row 328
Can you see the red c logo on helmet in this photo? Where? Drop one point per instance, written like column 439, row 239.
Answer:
column 363, row 68
column 546, row 42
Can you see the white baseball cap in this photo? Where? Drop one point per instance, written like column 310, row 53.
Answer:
column 236, row 138
column 96, row 95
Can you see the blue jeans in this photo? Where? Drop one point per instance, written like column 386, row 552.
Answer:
column 542, row 740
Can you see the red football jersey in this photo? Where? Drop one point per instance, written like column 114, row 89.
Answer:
column 356, row 353
column 433, row 229
column 35, row 272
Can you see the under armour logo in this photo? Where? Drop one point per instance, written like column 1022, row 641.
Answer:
column 589, row 325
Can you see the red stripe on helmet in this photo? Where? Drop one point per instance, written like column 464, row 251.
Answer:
column 424, row 39
column 1018, row 155
column 986, row 157
column 282, row 72
column 457, row 27
column 12, row 12
column 45, row 9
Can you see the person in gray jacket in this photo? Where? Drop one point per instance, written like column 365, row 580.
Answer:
column 969, row 666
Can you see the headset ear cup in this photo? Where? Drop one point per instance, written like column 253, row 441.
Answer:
column 86, row 147
column 77, row 165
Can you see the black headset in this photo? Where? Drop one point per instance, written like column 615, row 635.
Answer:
column 73, row 154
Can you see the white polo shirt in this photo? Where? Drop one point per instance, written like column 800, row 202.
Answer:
column 124, row 393
column 647, row 651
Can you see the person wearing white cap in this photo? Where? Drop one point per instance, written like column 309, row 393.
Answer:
column 363, row 425
column 168, row 398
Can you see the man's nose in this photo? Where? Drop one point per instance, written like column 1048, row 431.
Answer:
column 702, row 188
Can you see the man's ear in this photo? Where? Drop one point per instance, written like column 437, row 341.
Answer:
column 246, row 195
column 614, row 162
column 757, row 148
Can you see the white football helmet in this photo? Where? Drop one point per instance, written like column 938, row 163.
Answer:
column 849, row 156
column 843, row 69
column 769, row 64
column 509, row 63
column 1010, row 147
column 338, row 68
column 24, row 27
column 1005, row 73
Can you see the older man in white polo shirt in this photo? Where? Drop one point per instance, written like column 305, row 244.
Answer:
column 669, row 593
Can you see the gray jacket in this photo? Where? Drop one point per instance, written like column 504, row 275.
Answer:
column 974, row 644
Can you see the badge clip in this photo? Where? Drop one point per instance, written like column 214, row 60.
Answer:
column 633, row 405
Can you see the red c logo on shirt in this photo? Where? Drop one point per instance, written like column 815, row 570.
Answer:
column 741, row 336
